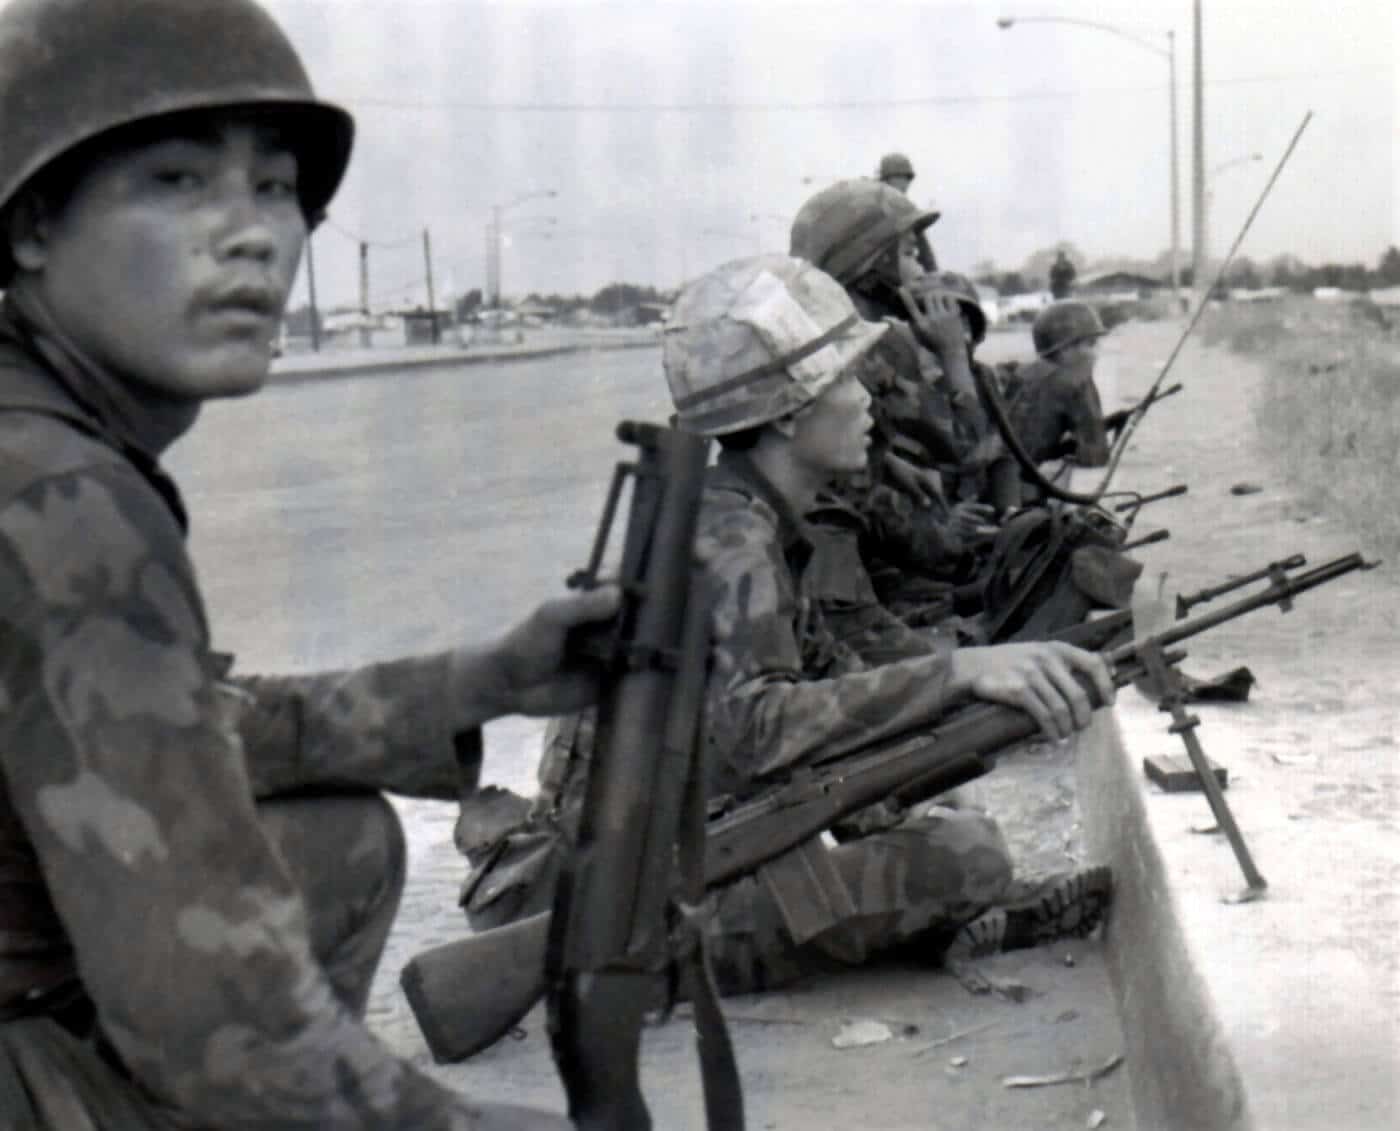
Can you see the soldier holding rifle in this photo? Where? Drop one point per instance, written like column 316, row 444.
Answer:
column 763, row 354
column 197, row 871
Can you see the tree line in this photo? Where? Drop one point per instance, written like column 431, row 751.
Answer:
column 1244, row 273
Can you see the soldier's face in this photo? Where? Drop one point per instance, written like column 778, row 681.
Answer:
column 831, row 436
column 900, row 183
column 911, row 269
column 171, row 259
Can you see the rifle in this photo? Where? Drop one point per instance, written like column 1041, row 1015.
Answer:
column 461, row 1017
column 617, row 929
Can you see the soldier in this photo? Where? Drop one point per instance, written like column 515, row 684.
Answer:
column 927, row 409
column 198, row 872
column 1062, row 276
column 763, row 354
column 897, row 171
column 1055, row 407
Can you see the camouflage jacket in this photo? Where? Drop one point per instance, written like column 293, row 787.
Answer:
column 130, row 847
column 783, row 691
column 1057, row 412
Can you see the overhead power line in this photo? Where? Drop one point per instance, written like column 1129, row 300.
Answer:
column 834, row 104
column 359, row 239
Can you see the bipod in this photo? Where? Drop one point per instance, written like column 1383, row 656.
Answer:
column 1168, row 683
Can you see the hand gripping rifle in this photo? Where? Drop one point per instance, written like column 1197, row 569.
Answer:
column 467, row 1013
column 626, row 907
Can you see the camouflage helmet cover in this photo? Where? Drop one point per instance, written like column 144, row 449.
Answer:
column 895, row 165
column 963, row 291
column 72, row 70
column 845, row 227
column 1063, row 324
column 757, row 339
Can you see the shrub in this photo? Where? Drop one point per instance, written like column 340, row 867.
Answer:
column 1329, row 412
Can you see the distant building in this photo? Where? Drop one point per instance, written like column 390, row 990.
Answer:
column 1118, row 286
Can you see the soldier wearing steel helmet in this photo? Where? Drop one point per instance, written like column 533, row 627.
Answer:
column 927, row 409
column 897, row 171
column 1056, row 408
column 198, row 870
column 763, row 355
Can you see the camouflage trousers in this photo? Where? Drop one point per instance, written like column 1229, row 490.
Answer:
column 912, row 884
column 346, row 852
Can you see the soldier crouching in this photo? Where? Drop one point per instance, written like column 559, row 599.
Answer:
column 762, row 354
column 197, row 871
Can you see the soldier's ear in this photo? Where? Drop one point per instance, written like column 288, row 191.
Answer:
column 26, row 232
column 785, row 426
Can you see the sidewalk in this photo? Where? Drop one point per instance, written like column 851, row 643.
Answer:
column 342, row 361
column 1282, row 1013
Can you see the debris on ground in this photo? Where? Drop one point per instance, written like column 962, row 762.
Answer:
column 974, row 981
column 1246, row 489
column 1063, row 1077
column 951, row 1037
column 1096, row 1119
column 858, row 1034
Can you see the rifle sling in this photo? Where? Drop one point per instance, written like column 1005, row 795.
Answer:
column 719, row 1071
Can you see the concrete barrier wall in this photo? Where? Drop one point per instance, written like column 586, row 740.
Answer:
column 1184, row 1076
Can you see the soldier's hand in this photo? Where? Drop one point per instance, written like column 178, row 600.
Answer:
column 1038, row 678
column 527, row 671
column 973, row 522
column 937, row 323
column 923, row 485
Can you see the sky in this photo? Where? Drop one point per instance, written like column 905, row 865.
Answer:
column 675, row 136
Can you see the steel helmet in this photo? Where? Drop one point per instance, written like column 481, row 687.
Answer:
column 1063, row 324
column 895, row 165
column 961, row 289
column 71, row 70
column 845, row 227
column 756, row 340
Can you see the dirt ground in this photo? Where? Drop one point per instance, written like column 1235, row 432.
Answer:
column 433, row 506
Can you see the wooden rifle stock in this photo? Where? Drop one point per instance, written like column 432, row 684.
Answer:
column 463, row 1001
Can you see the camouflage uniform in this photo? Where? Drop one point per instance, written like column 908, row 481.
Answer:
column 783, row 692
column 196, row 877
column 1056, row 412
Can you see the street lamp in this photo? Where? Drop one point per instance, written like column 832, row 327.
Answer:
column 1169, row 54
column 493, row 242
column 1210, row 194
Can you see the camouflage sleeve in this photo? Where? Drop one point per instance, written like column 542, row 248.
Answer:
column 1090, row 435
column 762, row 714
column 131, row 788
column 384, row 726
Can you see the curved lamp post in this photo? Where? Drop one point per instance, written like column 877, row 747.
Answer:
column 1169, row 54
column 493, row 242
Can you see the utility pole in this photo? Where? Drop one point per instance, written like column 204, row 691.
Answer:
column 311, row 287
column 364, row 293
column 432, row 302
column 493, row 281
column 1176, row 175
column 1198, row 157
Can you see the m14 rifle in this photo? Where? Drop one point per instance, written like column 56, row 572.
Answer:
column 618, row 930
column 463, row 1007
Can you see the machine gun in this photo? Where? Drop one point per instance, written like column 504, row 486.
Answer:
column 462, row 1012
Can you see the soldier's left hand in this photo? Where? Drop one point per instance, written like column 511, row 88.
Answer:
column 922, row 484
column 938, row 324
column 527, row 671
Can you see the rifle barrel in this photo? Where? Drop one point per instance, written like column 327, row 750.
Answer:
column 1280, row 592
